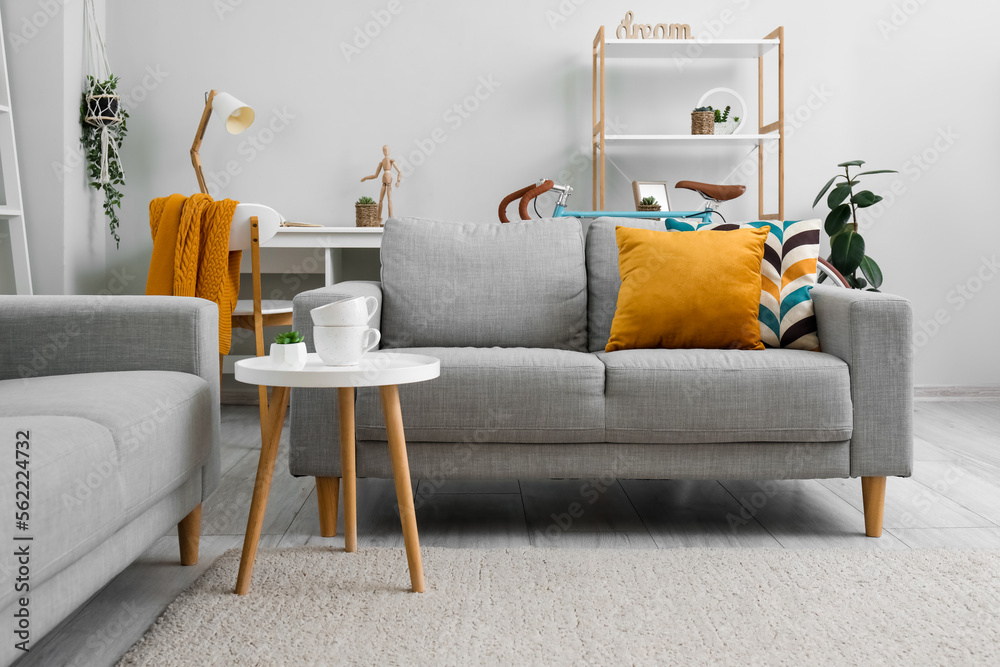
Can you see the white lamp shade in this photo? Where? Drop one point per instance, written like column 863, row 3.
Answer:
column 235, row 114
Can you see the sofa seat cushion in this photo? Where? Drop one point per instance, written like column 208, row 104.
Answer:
column 497, row 394
column 74, row 503
column 702, row 396
column 161, row 423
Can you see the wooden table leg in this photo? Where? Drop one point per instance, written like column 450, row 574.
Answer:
column 404, row 491
column 262, row 486
column 327, row 496
column 345, row 396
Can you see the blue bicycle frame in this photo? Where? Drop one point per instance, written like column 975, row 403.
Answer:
column 564, row 191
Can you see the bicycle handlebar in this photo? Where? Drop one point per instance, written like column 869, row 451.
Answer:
column 526, row 194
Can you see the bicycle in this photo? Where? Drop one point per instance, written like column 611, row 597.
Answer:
column 713, row 195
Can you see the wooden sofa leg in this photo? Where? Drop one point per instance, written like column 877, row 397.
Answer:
column 328, row 495
column 188, row 535
column 873, row 496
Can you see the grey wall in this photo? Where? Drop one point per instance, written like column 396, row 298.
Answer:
column 896, row 82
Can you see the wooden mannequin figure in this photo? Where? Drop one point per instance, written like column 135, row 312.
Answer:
column 385, row 167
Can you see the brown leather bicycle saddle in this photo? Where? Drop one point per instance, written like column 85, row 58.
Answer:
column 716, row 192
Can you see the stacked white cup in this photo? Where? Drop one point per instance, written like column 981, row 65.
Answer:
column 341, row 332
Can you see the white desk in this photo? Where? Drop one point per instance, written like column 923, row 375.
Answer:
column 328, row 238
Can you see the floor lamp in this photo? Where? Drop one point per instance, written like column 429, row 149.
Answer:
column 235, row 114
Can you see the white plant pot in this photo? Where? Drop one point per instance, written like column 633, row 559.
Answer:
column 288, row 357
column 726, row 128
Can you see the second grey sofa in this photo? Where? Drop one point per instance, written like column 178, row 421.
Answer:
column 116, row 403
column 519, row 315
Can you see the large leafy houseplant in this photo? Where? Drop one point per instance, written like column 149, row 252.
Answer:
column 847, row 246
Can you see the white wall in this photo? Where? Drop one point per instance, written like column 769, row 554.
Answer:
column 46, row 63
column 864, row 79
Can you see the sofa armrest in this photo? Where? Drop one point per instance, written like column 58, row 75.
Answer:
column 64, row 335
column 873, row 333
column 315, row 425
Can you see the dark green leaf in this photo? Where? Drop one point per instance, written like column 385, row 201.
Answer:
column 823, row 191
column 865, row 198
column 838, row 195
column 872, row 271
column 878, row 171
column 860, row 283
column 852, row 163
column 871, row 289
column 847, row 249
column 837, row 220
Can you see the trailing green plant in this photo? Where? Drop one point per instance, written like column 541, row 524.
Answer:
column 93, row 149
column 648, row 201
column 847, row 246
column 365, row 200
column 288, row 338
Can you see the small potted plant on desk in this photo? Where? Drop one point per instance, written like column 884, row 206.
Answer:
column 288, row 351
column 366, row 213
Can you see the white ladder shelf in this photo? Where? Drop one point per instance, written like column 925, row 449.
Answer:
column 11, row 210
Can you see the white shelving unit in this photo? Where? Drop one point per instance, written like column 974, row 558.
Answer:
column 11, row 210
column 693, row 49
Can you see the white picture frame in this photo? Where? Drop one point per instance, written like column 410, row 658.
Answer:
column 658, row 189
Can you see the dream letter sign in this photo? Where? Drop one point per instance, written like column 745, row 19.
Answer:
column 628, row 30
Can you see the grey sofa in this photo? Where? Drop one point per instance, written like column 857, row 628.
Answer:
column 519, row 315
column 117, row 400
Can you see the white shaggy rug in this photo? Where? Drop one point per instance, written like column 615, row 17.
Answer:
column 317, row 606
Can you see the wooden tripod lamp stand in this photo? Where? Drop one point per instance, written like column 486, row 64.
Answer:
column 235, row 114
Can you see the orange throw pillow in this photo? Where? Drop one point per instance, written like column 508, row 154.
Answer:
column 693, row 290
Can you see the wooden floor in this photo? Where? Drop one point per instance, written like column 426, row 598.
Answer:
column 952, row 500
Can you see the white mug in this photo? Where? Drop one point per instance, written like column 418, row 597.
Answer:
column 344, row 346
column 354, row 312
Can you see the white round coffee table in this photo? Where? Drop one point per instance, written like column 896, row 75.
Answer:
column 385, row 370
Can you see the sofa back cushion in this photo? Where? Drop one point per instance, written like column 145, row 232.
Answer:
column 603, row 278
column 520, row 284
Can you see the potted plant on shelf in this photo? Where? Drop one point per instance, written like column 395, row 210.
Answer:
column 366, row 213
column 703, row 121
column 288, row 351
column 723, row 125
column 847, row 247
column 648, row 204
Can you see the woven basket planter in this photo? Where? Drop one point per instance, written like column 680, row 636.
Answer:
column 647, row 207
column 702, row 122
column 366, row 215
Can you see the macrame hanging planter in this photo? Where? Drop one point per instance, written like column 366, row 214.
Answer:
column 103, row 120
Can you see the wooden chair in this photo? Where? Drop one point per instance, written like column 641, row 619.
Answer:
column 254, row 224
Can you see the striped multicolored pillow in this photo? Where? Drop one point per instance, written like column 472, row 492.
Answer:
column 788, row 273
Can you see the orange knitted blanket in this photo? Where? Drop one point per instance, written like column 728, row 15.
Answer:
column 191, row 254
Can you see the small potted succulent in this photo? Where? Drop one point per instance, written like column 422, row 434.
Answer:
column 648, row 204
column 703, row 120
column 288, row 351
column 366, row 213
column 723, row 125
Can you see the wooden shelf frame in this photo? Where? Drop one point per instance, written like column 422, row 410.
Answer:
column 728, row 49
